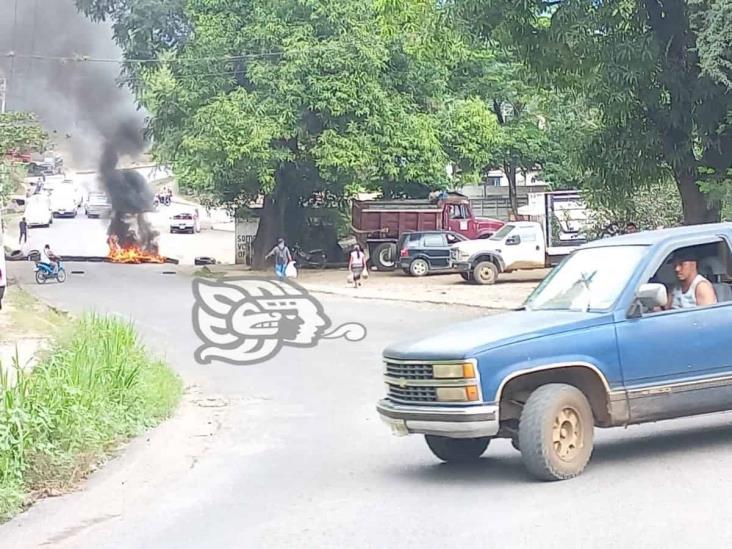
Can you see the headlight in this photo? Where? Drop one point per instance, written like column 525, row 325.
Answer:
column 457, row 394
column 453, row 371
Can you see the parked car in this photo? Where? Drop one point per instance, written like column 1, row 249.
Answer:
column 596, row 345
column 423, row 252
column 185, row 222
column 63, row 202
column 97, row 205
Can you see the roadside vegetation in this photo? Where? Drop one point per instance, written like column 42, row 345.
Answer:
column 92, row 390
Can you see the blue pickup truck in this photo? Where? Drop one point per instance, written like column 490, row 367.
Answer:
column 626, row 330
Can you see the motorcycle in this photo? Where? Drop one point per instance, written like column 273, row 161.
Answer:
column 313, row 258
column 45, row 272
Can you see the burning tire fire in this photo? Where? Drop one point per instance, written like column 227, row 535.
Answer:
column 131, row 253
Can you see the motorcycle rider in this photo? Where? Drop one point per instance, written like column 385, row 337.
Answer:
column 49, row 258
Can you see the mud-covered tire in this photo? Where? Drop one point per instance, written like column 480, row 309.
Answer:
column 457, row 450
column 556, row 432
column 485, row 272
column 384, row 258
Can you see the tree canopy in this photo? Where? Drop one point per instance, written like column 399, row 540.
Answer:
column 638, row 63
column 302, row 101
column 19, row 131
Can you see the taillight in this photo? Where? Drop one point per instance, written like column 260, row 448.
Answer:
column 404, row 253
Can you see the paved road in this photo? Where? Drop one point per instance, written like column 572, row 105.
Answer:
column 298, row 458
column 82, row 236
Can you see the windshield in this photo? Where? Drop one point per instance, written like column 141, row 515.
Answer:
column 588, row 279
column 503, row 232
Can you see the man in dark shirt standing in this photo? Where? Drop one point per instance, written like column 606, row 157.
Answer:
column 23, row 231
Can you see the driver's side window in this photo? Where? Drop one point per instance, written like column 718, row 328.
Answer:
column 695, row 276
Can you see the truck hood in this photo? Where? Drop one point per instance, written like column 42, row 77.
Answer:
column 467, row 339
column 489, row 222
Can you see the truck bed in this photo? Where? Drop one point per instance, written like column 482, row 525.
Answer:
column 390, row 218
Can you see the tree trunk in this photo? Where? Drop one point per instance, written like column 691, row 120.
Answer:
column 510, row 170
column 271, row 227
column 698, row 208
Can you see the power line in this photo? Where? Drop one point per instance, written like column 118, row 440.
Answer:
column 87, row 59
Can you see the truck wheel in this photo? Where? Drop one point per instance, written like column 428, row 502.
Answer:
column 457, row 450
column 485, row 272
column 556, row 432
column 419, row 267
column 384, row 256
column 467, row 277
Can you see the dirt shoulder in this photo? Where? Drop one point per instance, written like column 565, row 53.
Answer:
column 508, row 293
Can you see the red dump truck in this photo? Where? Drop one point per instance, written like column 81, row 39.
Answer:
column 378, row 224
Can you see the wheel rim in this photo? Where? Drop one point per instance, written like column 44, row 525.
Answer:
column 486, row 273
column 567, row 437
column 419, row 268
column 61, row 276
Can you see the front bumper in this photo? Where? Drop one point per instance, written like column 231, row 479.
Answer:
column 461, row 266
column 462, row 422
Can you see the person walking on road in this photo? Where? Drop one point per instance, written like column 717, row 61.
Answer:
column 357, row 264
column 23, row 225
column 282, row 257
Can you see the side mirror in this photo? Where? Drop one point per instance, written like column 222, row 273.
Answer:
column 513, row 240
column 652, row 295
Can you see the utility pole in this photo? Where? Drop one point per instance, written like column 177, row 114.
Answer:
column 3, row 87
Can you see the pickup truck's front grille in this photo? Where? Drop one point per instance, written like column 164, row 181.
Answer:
column 409, row 371
column 412, row 394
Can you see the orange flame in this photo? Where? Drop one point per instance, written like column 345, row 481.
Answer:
column 130, row 254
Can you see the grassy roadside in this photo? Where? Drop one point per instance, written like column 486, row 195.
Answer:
column 92, row 390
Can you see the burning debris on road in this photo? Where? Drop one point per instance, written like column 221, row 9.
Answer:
column 131, row 237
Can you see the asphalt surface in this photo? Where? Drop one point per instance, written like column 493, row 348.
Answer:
column 299, row 458
column 88, row 236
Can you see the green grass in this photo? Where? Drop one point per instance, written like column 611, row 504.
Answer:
column 96, row 388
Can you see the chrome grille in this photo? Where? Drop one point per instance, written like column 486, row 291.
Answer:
column 409, row 371
column 412, row 394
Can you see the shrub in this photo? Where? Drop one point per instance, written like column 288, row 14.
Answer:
column 96, row 388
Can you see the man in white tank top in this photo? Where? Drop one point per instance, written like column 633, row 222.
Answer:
column 693, row 290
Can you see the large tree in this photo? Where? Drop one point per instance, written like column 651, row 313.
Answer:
column 19, row 133
column 289, row 99
column 638, row 63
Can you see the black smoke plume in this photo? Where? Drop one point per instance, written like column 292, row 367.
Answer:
column 79, row 103
column 130, row 195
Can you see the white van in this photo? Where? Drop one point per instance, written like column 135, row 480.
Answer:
column 38, row 211
column 63, row 202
